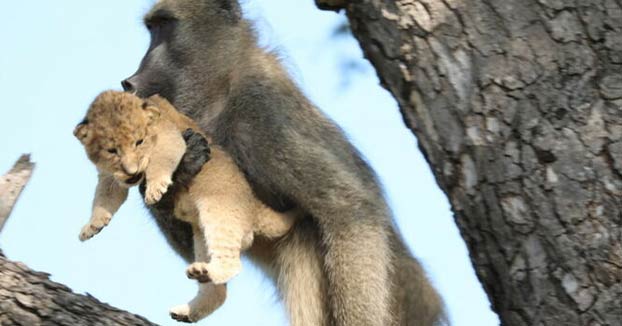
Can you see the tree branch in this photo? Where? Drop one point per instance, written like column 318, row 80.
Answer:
column 30, row 298
column 12, row 184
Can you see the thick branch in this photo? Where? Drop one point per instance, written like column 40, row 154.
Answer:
column 29, row 298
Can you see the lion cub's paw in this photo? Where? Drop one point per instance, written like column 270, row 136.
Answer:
column 182, row 313
column 94, row 227
column 198, row 271
column 156, row 189
column 88, row 231
column 213, row 272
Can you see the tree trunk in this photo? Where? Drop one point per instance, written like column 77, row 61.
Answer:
column 517, row 107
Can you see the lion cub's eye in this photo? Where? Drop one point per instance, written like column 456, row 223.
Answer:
column 139, row 142
column 112, row 150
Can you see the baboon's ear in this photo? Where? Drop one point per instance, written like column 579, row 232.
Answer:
column 230, row 8
column 82, row 131
column 153, row 112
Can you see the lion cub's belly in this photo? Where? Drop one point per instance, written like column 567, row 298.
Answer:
column 186, row 208
column 220, row 182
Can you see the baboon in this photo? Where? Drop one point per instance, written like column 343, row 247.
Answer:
column 344, row 263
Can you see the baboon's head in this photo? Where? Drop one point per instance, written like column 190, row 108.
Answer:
column 117, row 135
column 193, row 45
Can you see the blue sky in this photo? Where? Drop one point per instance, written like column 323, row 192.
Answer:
column 58, row 55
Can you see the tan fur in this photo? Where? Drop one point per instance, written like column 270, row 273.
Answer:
column 109, row 196
column 146, row 140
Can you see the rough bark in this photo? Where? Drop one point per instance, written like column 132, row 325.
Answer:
column 29, row 298
column 517, row 108
column 12, row 184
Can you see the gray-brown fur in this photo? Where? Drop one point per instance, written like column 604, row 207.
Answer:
column 204, row 58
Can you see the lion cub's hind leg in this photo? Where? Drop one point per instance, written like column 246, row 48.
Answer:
column 209, row 297
column 224, row 226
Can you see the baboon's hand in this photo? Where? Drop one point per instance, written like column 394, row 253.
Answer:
column 95, row 225
column 197, row 154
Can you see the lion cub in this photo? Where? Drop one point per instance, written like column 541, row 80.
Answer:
column 130, row 140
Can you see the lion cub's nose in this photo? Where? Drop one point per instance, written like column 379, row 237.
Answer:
column 129, row 169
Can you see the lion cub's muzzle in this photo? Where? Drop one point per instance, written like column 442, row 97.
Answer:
column 134, row 179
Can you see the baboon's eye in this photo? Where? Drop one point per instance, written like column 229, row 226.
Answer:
column 112, row 150
column 158, row 19
column 139, row 142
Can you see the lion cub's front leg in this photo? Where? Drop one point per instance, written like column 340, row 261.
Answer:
column 109, row 196
column 169, row 150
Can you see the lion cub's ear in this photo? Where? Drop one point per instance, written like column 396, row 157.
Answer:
column 82, row 131
column 153, row 112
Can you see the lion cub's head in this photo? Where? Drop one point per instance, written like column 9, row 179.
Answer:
column 117, row 134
